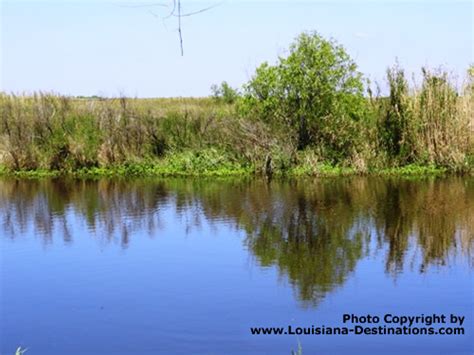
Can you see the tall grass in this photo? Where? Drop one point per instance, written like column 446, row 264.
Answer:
column 427, row 125
column 53, row 132
column 430, row 125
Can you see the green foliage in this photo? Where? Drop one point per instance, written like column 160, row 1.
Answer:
column 395, row 119
column 436, row 113
column 224, row 92
column 305, row 115
column 427, row 125
column 413, row 170
column 316, row 91
column 206, row 162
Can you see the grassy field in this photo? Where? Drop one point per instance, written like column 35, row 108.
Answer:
column 412, row 131
column 48, row 135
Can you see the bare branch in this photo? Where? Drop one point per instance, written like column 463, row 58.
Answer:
column 144, row 5
column 153, row 14
column 200, row 11
column 175, row 12
column 172, row 11
column 179, row 28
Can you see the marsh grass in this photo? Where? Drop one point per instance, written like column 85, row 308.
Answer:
column 425, row 129
column 52, row 133
column 427, row 125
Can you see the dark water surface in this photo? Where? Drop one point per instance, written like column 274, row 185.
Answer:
column 188, row 266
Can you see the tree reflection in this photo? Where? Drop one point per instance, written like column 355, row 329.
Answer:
column 313, row 231
column 113, row 209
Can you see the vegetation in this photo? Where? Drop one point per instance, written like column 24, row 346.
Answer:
column 306, row 115
column 315, row 92
column 433, row 126
column 224, row 93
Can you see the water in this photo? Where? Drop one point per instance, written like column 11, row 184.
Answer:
column 188, row 266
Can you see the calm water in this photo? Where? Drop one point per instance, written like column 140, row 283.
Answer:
column 188, row 266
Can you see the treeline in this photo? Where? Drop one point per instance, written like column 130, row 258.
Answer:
column 309, row 113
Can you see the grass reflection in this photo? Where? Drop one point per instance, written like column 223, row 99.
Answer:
column 313, row 231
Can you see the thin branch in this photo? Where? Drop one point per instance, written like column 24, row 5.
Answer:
column 172, row 11
column 199, row 11
column 143, row 5
column 176, row 12
column 179, row 28
column 153, row 14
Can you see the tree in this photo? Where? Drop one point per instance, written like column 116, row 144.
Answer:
column 224, row 92
column 316, row 91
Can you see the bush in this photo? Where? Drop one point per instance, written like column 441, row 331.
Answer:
column 224, row 93
column 316, row 91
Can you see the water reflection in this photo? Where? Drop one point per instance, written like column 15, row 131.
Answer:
column 314, row 231
column 109, row 209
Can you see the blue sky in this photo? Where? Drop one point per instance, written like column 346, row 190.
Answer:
column 112, row 47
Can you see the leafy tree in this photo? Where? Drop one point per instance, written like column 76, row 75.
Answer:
column 224, row 92
column 316, row 91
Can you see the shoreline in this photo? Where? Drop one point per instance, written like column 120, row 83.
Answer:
column 152, row 170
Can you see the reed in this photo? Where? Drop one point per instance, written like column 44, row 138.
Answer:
column 427, row 125
column 430, row 127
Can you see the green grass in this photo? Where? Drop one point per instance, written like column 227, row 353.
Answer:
column 322, row 169
column 414, row 170
column 48, row 136
column 184, row 167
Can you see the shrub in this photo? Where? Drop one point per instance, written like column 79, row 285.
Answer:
column 224, row 93
column 316, row 91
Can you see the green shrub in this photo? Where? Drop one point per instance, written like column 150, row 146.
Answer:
column 316, row 91
column 224, row 92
